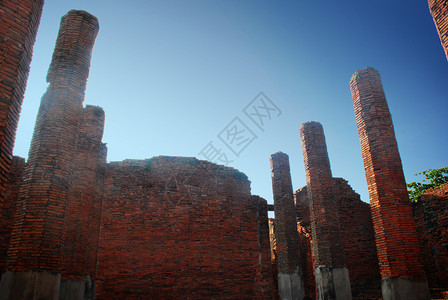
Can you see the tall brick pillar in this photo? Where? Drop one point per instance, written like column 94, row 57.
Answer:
column 84, row 212
column 34, row 255
column 332, row 279
column 439, row 12
column 290, row 281
column 19, row 21
column 395, row 234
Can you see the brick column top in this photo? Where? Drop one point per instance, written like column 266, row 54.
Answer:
column 70, row 64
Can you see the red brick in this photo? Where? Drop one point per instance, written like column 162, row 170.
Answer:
column 431, row 217
column 19, row 21
column 328, row 246
column 176, row 227
column 39, row 230
column 8, row 206
column 439, row 12
column 395, row 233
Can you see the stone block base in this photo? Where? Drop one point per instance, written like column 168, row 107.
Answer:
column 290, row 286
column 30, row 285
column 77, row 289
column 397, row 288
column 333, row 283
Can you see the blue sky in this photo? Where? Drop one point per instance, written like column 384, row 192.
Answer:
column 172, row 75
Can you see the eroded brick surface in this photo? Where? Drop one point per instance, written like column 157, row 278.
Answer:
column 357, row 232
column 328, row 247
column 439, row 12
column 38, row 233
column 431, row 217
column 356, row 224
column 395, row 233
column 287, row 242
column 180, row 228
column 84, row 211
column 8, row 206
column 19, row 21
column 265, row 272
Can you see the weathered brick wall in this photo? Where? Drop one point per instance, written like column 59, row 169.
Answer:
column 8, row 206
column 265, row 271
column 357, row 232
column 84, row 212
column 359, row 241
column 43, row 201
column 180, row 228
column 439, row 12
column 328, row 246
column 302, row 208
column 273, row 246
column 19, row 21
column 395, row 233
column 431, row 217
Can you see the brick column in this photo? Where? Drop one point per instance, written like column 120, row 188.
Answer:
column 332, row 279
column 19, row 21
column 8, row 206
column 34, row 255
column 84, row 212
column 290, row 282
column 439, row 12
column 395, row 234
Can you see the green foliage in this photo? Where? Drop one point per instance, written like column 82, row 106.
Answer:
column 433, row 178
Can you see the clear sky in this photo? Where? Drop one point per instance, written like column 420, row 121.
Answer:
column 173, row 76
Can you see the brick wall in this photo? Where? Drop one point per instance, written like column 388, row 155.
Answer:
column 302, row 208
column 357, row 232
column 395, row 233
column 180, row 228
column 328, row 247
column 19, row 21
column 43, row 201
column 359, row 241
column 439, row 12
column 84, row 212
column 431, row 217
column 8, row 206
column 265, row 272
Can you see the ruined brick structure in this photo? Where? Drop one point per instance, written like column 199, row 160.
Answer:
column 35, row 252
column 328, row 248
column 73, row 226
column 82, row 224
column 290, row 281
column 19, row 21
column 358, row 237
column 176, row 227
column 396, row 238
column 167, row 227
column 8, row 205
column 439, row 12
column 431, row 218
